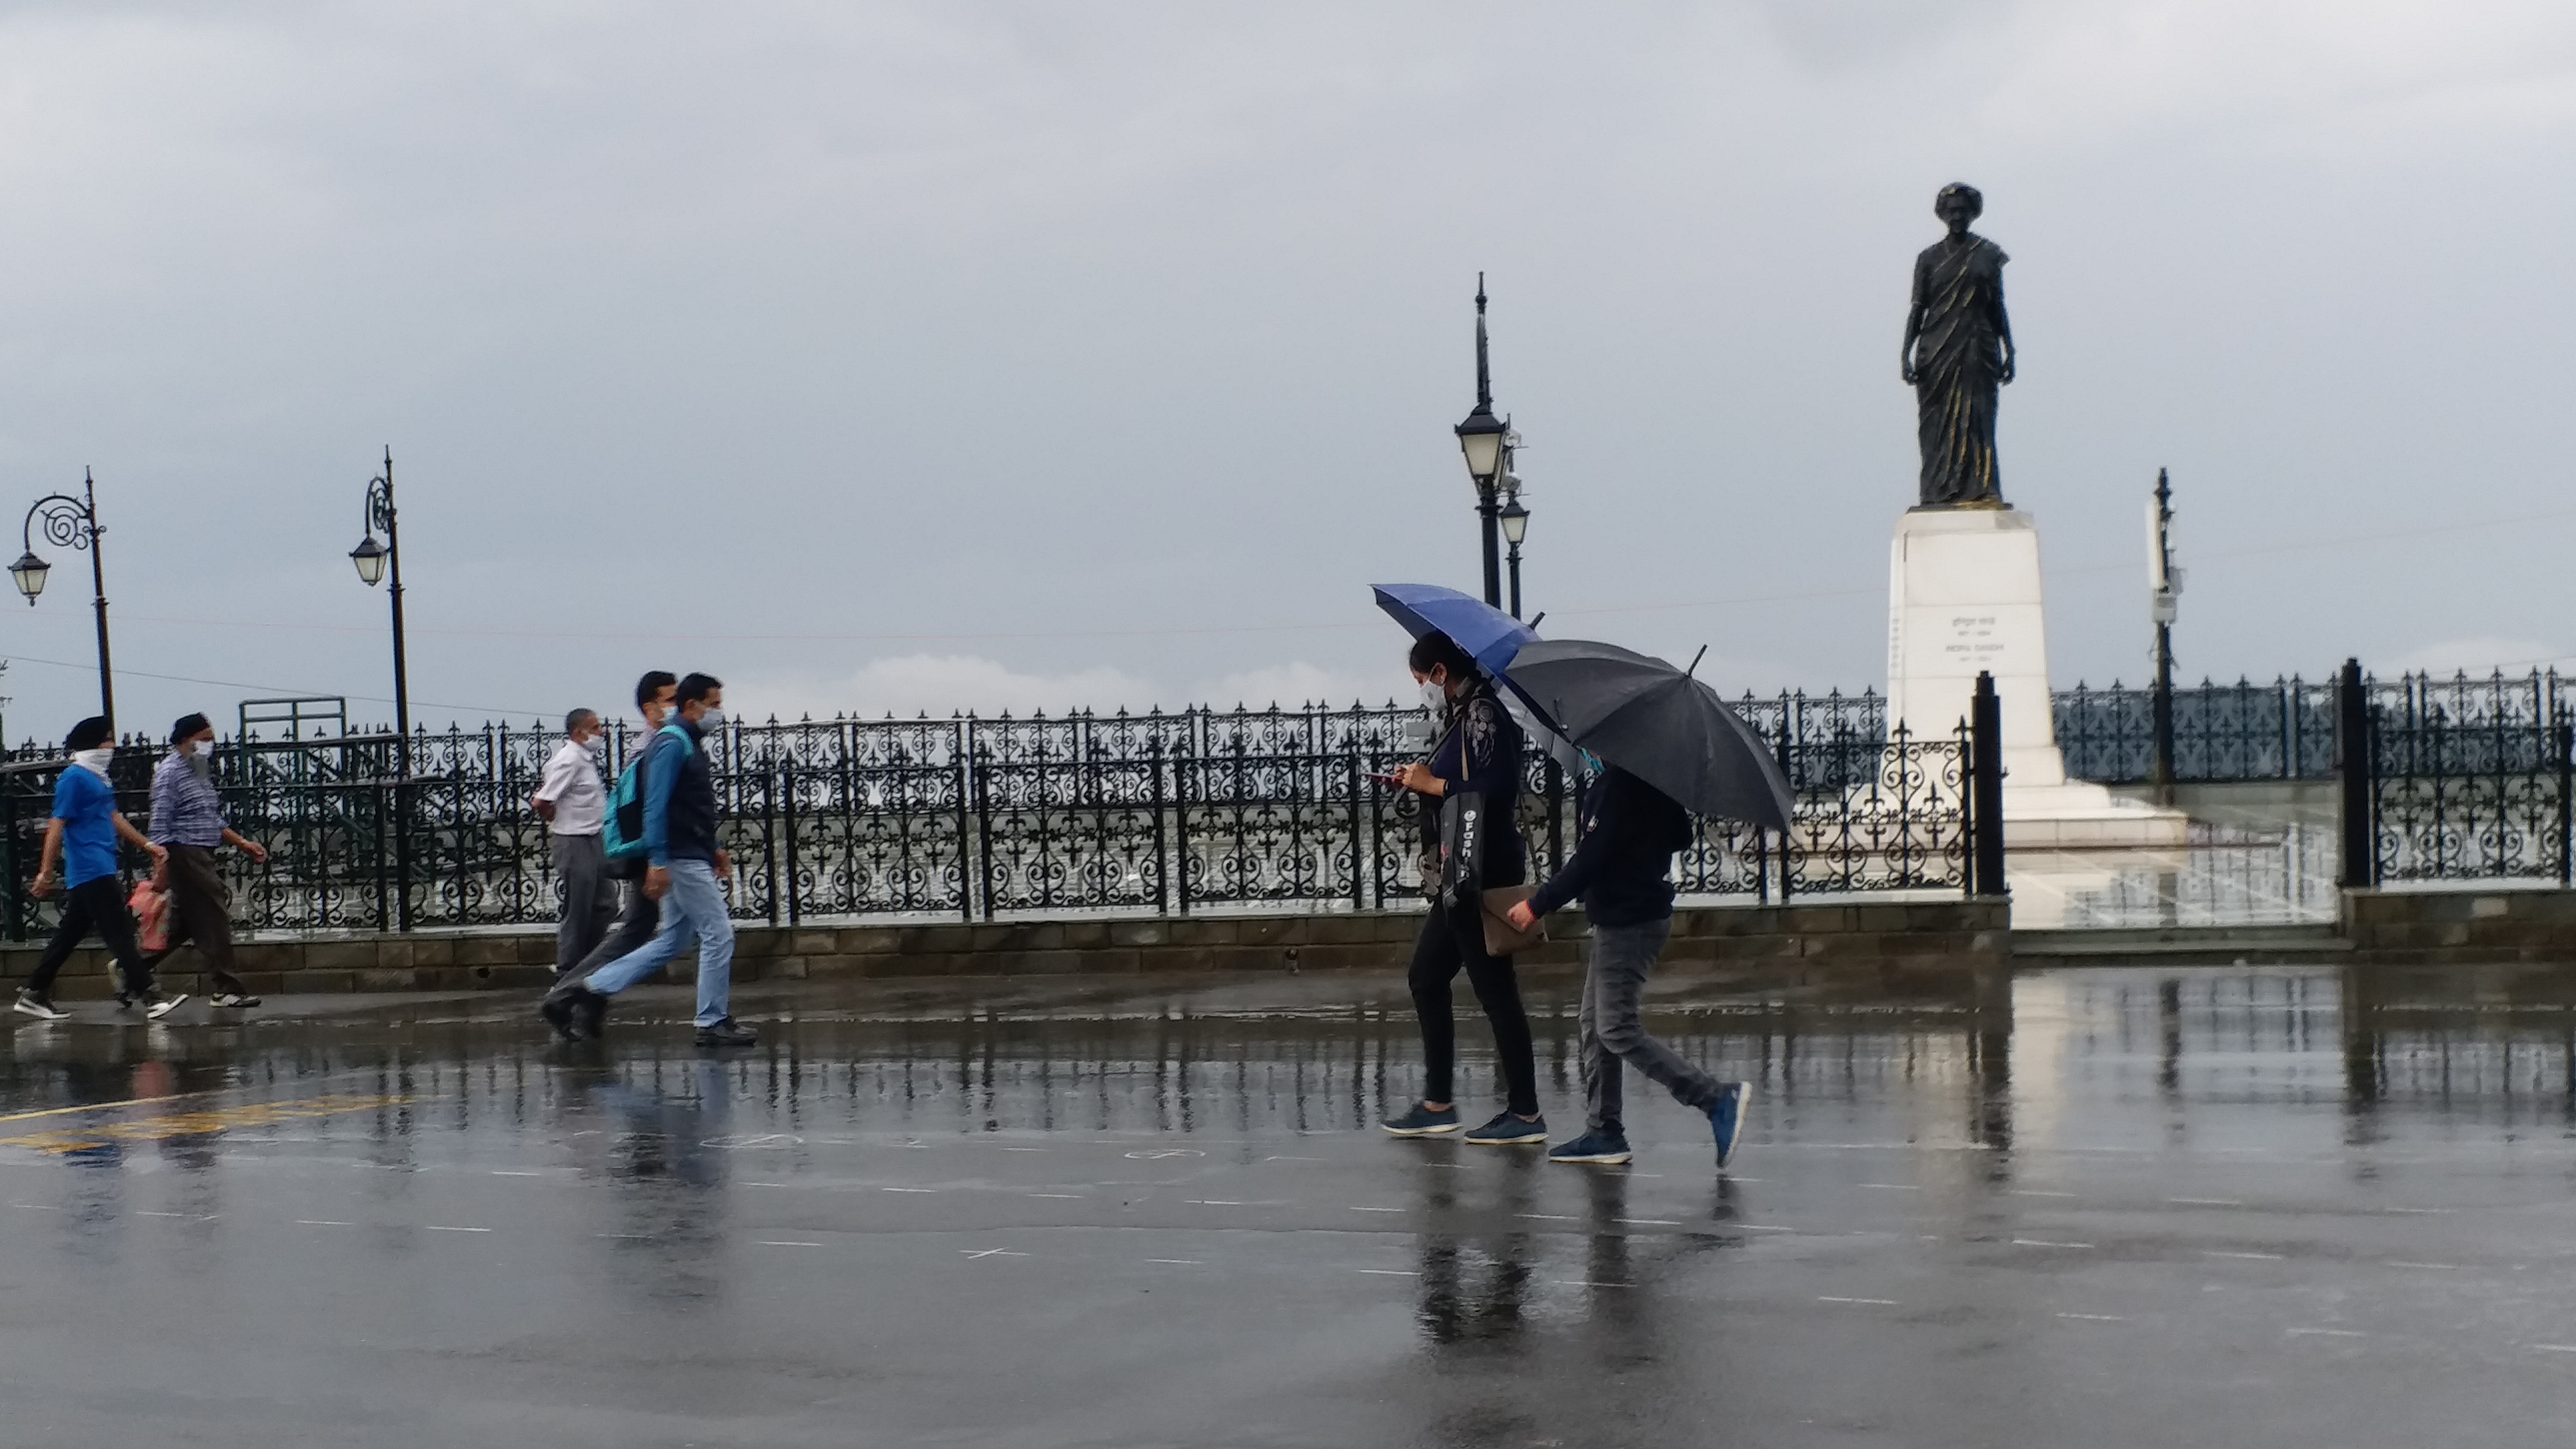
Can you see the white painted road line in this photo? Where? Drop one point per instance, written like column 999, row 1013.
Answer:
column 2095, row 1317
column 785, row 1243
column 2555, row 1347
column 1550, row 1217
column 1182, row 1262
column 2206, row 1201
column 514, row 1172
column 2032, row 1192
column 2324, row 1333
column 991, row 1253
column 443, row 1228
column 1908, row 1187
column 1056, row 1194
column 1652, row 1222
column 1358, row 1209
column 1881, row 1302
column 323, row 1223
column 1390, row 1273
column 2260, row 1257
column 2041, row 1243
column 907, row 1189
column 2444, row 1267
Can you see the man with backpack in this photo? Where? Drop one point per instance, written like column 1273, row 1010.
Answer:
column 574, row 805
column 1621, row 870
column 622, row 836
column 685, row 870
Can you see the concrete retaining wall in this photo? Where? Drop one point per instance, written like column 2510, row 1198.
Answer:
column 1927, row 949
column 2456, row 927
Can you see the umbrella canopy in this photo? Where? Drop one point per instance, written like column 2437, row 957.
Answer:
column 1490, row 636
column 1658, row 724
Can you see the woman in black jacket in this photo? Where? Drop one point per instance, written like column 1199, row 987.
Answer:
column 1619, row 869
column 1479, row 750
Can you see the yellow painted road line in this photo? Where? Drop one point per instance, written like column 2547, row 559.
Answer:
column 197, row 1124
column 112, row 1106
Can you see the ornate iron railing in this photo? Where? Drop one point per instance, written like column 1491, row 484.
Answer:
column 2470, row 777
column 2222, row 732
column 991, row 819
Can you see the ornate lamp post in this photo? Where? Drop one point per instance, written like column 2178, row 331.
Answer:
column 374, row 561
column 1515, row 521
column 1481, row 437
column 70, row 522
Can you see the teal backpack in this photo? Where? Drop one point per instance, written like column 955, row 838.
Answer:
column 623, row 837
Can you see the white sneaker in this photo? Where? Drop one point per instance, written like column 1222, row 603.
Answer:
column 30, row 1003
column 157, row 1006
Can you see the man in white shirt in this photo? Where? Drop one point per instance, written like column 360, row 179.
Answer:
column 574, row 803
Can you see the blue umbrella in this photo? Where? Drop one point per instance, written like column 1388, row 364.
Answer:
column 1490, row 636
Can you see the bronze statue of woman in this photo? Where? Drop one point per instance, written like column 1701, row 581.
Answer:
column 1958, row 351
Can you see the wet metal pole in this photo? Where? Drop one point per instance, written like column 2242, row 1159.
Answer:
column 2168, row 586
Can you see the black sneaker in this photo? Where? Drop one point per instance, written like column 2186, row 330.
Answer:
column 1606, row 1148
column 1508, row 1130
column 727, row 1032
column 37, row 1005
column 232, row 999
column 575, row 1014
column 1421, row 1121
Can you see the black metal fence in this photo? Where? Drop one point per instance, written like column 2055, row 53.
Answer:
column 2284, row 730
column 2465, row 779
column 970, row 819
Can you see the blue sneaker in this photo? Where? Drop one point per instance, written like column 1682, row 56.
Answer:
column 1607, row 1148
column 1421, row 1121
column 1726, row 1118
column 1510, row 1131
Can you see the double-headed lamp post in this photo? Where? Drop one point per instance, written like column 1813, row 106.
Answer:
column 70, row 523
column 1482, row 438
column 374, row 561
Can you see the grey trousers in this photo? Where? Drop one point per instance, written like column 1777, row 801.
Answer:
column 636, row 924
column 589, row 897
column 1622, row 957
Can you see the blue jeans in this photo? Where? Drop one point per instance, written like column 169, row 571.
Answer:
column 693, row 910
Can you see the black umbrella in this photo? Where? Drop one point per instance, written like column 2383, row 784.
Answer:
column 1658, row 724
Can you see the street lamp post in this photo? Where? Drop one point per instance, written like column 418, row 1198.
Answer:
column 73, row 523
column 1515, row 521
column 2164, row 583
column 1481, row 438
column 374, row 560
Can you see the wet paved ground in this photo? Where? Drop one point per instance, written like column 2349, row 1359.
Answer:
column 2151, row 1208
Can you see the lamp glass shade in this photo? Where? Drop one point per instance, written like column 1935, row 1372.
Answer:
column 1481, row 439
column 1515, row 521
column 370, row 558
column 29, row 575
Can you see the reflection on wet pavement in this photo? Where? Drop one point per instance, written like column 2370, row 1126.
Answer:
column 2266, row 874
column 2137, row 1207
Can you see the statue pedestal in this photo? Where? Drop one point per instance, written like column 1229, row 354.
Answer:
column 1964, row 596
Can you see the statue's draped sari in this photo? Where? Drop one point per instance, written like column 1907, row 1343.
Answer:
column 1958, row 365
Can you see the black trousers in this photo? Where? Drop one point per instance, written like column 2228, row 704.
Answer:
column 93, row 905
column 637, row 920
column 1454, row 941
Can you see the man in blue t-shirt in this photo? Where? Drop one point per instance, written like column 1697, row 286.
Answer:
column 82, row 838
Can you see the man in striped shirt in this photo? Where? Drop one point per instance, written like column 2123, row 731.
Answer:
column 188, row 818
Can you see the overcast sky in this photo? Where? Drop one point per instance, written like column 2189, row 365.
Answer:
column 900, row 356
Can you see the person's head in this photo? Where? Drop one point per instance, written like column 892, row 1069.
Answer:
column 582, row 726
column 653, row 695
column 1437, row 659
column 194, row 734
column 1957, row 205
column 90, row 734
column 698, row 696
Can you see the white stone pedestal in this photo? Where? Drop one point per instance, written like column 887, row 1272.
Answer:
column 1964, row 596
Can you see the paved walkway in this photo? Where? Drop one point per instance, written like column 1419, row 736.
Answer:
column 2151, row 1208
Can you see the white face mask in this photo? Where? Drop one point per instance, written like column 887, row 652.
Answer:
column 202, row 749
column 1434, row 697
column 94, row 761
column 712, row 720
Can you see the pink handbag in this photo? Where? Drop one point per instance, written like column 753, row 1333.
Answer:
column 151, row 907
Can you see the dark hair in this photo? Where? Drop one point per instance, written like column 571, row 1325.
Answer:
column 697, row 687
column 189, row 727
column 653, row 683
column 89, row 734
column 1976, row 199
column 573, row 720
column 1438, row 649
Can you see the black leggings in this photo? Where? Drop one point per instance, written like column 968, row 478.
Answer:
column 98, row 905
column 1451, row 940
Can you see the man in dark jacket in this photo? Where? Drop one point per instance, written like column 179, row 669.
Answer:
column 1620, row 869
column 680, row 841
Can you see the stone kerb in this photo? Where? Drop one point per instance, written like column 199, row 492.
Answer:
column 1909, row 946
